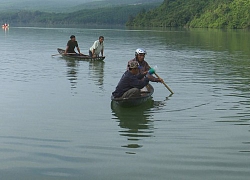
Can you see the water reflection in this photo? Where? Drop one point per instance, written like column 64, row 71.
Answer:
column 136, row 123
column 5, row 30
column 217, row 40
column 96, row 72
column 72, row 71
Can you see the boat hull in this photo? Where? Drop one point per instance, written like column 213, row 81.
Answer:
column 80, row 57
column 135, row 101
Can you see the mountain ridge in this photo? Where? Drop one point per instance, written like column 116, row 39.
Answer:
column 60, row 6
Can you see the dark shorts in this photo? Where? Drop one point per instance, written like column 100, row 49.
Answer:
column 76, row 54
column 134, row 92
column 90, row 54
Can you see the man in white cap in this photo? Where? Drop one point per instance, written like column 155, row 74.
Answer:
column 140, row 54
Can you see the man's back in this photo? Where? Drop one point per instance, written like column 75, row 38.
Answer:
column 72, row 44
column 129, row 81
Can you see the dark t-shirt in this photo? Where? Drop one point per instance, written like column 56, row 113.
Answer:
column 72, row 45
column 129, row 81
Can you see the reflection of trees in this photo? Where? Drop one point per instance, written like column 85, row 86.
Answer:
column 216, row 40
column 97, row 71
column 135, row 122
column 221, row 40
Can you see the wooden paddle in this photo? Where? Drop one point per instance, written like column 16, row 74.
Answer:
column 55, row 54
column 163, row 83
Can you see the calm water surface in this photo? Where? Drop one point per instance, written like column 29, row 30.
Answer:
column 57, row 120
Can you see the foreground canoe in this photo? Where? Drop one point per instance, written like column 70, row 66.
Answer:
column 135, row 101
column 83, row 57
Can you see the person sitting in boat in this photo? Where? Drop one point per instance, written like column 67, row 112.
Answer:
column 97, row 48
column 71, row 45
column 143, row 65
column 131, row 82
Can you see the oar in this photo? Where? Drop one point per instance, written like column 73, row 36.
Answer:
column 55, row 54
column 163, row 83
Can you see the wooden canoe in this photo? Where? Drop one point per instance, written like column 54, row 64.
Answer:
column 80, row 57
column 135, row 101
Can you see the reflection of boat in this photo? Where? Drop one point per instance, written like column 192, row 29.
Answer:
column 136, row 124
column 135, row 101
column 96, row 72
column 79, row 57
column 72, row 72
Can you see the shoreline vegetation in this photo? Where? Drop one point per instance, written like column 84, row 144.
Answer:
column 117, row 15
column 218, row 14
column 231, row 14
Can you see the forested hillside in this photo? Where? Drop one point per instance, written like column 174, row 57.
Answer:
column 113, row 3
column 65, row 6
column 117, row 15
column 196, row 13
column 138, row 13
column 39, row 5
column 235, row 14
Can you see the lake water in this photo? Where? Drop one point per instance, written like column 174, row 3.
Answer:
column 57, row 121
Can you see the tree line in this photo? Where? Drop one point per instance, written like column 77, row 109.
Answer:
column 196, row 13
column 118, row 15
column 171, row 13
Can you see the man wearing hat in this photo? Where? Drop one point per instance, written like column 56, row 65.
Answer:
column 140, row 54
column 71, row 45
column 131, row 82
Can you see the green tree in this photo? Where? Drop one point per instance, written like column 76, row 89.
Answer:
column 197, row 13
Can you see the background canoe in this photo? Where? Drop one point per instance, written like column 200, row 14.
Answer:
column 84, row 57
